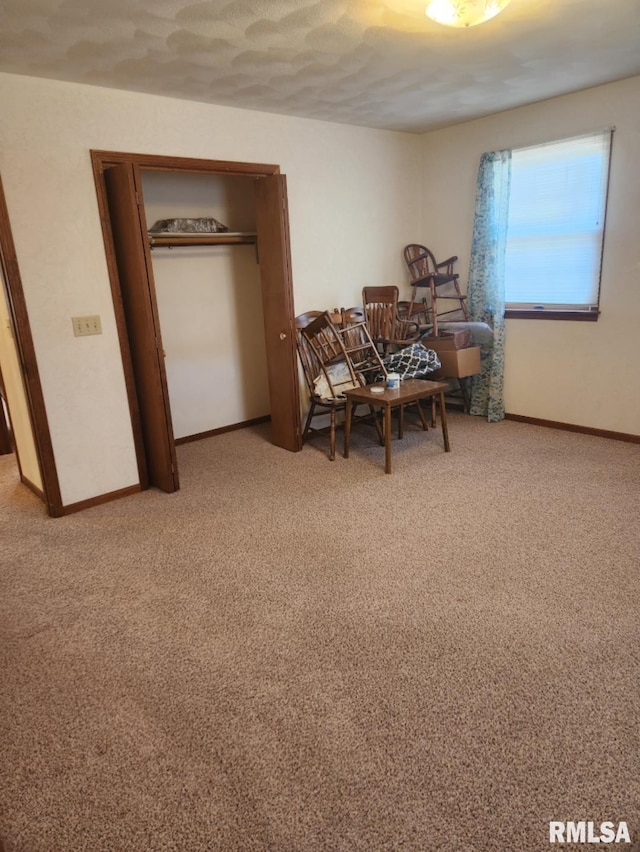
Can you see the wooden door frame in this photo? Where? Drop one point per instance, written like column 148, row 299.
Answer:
column 102, row 160
column 29, row 367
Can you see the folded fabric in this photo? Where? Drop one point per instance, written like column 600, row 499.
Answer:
column 203, row 225
column 412, row 362
column 340, row 378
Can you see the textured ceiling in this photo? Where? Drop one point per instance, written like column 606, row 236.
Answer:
column 377, row 63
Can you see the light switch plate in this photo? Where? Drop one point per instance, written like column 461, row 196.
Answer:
column 86, row 325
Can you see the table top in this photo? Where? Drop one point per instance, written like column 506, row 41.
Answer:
column 409, row 390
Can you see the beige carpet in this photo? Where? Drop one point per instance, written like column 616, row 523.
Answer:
column 296, row 655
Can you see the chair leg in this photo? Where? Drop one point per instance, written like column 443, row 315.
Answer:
column 376, row 422
column 463, row 302
column 465, row 396
column 307, row 423
column 332, row 435
column 423, row 420
column 434, row 308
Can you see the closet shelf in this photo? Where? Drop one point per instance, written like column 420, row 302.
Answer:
column 227, row 238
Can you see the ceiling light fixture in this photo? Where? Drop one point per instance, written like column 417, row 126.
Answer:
column 464, row 13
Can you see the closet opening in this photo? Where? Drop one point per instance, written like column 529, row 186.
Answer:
column 209, row 301
column 205, row 326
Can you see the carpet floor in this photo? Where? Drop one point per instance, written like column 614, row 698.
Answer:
column 295, row 655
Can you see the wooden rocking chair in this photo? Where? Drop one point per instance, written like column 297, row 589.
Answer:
column 441, row 284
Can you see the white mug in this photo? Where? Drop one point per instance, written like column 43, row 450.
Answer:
column 393, row 380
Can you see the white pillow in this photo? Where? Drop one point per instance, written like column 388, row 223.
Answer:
column 340, row 379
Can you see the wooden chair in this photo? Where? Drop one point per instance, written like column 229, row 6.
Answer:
column 334, row 357
column 441, row 283
column 387, row 328
column 355, row 333
column 360, row 347
column 418, row 312
column 312, row 368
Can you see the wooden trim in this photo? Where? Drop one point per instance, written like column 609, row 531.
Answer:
column 37, row 491
column 185, row 164
column 570, row 316
column 6, row 436
column 29, row 364
column 572, row 427
column 190, row 240
column 160, row 453
column 100, row 499
column 102, row 162
column 121, row 322
column 232, row 428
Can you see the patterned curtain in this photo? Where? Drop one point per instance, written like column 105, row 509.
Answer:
column 485, row 294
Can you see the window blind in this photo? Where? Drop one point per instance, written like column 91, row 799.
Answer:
column 557, row 208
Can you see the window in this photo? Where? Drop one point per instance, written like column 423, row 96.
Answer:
column 557, row 207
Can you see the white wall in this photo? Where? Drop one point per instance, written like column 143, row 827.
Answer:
column 354, row 202
column 581, row 373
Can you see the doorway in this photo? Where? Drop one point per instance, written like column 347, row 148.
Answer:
column 119, row 185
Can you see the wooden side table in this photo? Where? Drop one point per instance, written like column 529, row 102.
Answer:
column 410, row 390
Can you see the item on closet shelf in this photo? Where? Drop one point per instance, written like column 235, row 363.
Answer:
column 188, row 226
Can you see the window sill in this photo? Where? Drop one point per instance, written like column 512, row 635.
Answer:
column 548, row 314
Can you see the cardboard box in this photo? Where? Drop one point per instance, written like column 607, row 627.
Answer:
column 457, row 363
column 447, row 340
